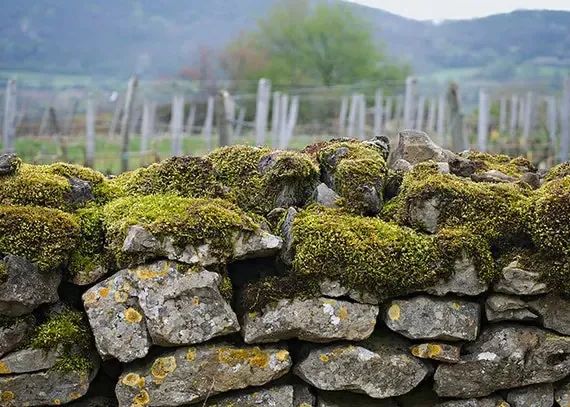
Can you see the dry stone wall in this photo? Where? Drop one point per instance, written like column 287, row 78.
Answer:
column 341, row 275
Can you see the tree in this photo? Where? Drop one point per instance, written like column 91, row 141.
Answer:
column 305, row 43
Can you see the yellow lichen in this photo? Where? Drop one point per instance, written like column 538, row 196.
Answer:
column 141, row 399
column 343, row 313
column 196, row 300
column 162, row 367
column 104, row 292
column 147, row 273
column 74, row 395
column 456, row 305
column 90, row 298
column 282, row 355
column 191, row 354
column 56, row 402
column 324, row 358
column 4, row 369
column 394, row 312
column 255, row 357
column 121, row 296
column 7, row 395
column 133, row 380
column 133, row 316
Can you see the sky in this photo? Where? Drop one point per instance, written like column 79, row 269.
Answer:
column 459, row 9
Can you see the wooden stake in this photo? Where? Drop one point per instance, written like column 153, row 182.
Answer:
column 209, row 122
column 177, row 124
column 565, row 121
column 514, row 116
column 262, row 110
column 275, row 119
column 9, row 125
column 483, row 123
column 378, row 112
column 342, row 116
column 409, row 102
column 90, row 133
column 419, row 124
column 503, row 115
column 127, row 111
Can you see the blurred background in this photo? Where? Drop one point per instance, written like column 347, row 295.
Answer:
column 115, row 84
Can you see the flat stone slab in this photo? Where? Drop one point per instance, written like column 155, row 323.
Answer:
column 537, row 395
column 500, row 307
column 313, row 320
column 28, row 360
column 518, row 281
column 162, row 303
column 190, row 374
column 278, row 396
column 347, row 399
column 15, row 332
column 431, row 318
column 554, row 312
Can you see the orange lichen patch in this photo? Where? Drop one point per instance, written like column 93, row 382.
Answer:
column 4, row 369
column 456, row 305
column 196, row 301
column 74, row 395
column 56, row 402
column 133, row 316
column 121, row 296
column 343, row 313
column 282, row 355
column 324, row 358
column 104, row 292
column 255, row 357
column 394, row 312
column 162, row 367
column 146, row 273
column 7, row 395
column 430, row 350
column 133, row 380
column 142, row 399
column 191, row 354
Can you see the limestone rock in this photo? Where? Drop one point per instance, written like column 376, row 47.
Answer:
column 425, row 214
column 518, row 281
column 499, row 307
column 554, row 311
column 287, row 253
column 50, row 387
column 493, row 176
column 88, row 278
column 14, row 332
column 302, row 395
column 25, row 288
column 495, row 401
column 346, row 399
column 9, row 164
column 538, row 395
column 28, row 360
column 425, row 317
column 416, row 147
column 464, row 280
column 335, row 289
column 380, row 367
column 562, row 394
column 437, row 351
column 505, row 357
column 163, row 303
column 401, row 165
column 141, row 242
column 325, row 196
column 313, row 320
column 278, row 396
column 189, row 374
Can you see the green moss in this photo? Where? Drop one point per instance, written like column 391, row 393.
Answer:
column 258, row 179
column 494, row 212
column 226, row 288
column 42, row 235
column 3, row 272
column 514, row 167
column 557, row 172
column 549, row 217
column 189, row 220
column 191, row 177
column 356, row 169
column 364, row 253
column 73, row 363
column 255, row 296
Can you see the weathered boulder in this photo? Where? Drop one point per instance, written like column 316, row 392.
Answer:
column 24, row 288
column 278, row 396
column 336, row 289
column 9, row 164
column 494, row 401
column 499, row 307
column 537, row 395
column 163, row 303
column 437, row 351
column 505, row 357
column 464, row 280
column 425, row 317
column 325, row 196
column 390, row 369
column 188, row 375
column 28, row 360
column 416, row 146
column 493, row 176
column 313, row 320
column 14, row 331
column 347, row 399
column 554, row 311
column 516, row 280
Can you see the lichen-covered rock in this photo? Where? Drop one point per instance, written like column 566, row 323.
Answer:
column 325, row 196
column 163, row 303
column 514, row 279
column 192, row 231
column 335, row 289
column 13, row 331
column 464, row 280
column 313, row 320
column 303, row 395
column 416, row 147
column 287, row 253
column 9, row 164
column 390, row 369
column 24, row 288
column 346, row 399
column 495, row 401
column 500, row 307
column 554, row 311
column 537, row 395
column 424, row 317
column 562, row 394
column 277, row 396
column 510, row 356
column 189, row 375
column 28, row 360
column 442, row 352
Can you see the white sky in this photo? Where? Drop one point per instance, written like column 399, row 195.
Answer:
column 454, row 9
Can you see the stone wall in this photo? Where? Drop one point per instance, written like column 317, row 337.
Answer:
column 342, row 275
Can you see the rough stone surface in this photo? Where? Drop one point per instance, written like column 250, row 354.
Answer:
column 390, row 368
column 335, row 289
column 346, row 399
column 518, row 281
column 562, row 394
column 425, row 214
column 538, row 395
column 302, row 395
column 325, row 196
column 26, row 288
column 156, row 304
column 313, row 320
column 499, row 307
column 278, row 396
column 187, row 375
column 416, row 147
column 8, row 163
column 50, row 387
column 28, row 360
column 14, row 333
column 464, row 280
column 554, row 311
column 505, row 357
column 287, row 253
column 401, row 165
column 425, row 317
column 495, row 401
column 246, row 245
column 493, row 176
column 437, row 351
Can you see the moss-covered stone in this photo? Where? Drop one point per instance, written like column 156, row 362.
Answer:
column 494, row 212
column 42, row 235
column 514, row 167
column 3, row 272
column 190, row 221
column 549, row 217
column 557, row 172
column 260, row 180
